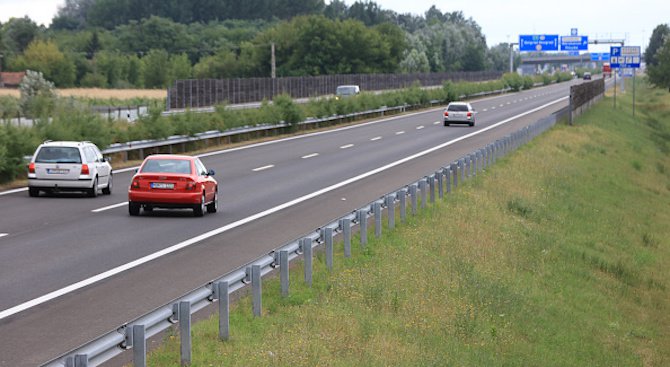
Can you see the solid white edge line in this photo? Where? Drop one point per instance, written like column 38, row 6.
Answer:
column 109, row 207
column 14, row 191
column 263, row 168
column 309, row 156
column 119, row 269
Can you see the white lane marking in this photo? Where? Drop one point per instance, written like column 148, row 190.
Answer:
column 109, row 207
column 501, row 105
column 509, row 102
column 420, row 127
column 346, row 146
column 119, row 269
column 400, row 132
column 263, row 168
column 4, row 234
column 493, row 108
column 437, row 122
column 376, row 138
column 310, row 156
column 484, row 110
column 13, row 191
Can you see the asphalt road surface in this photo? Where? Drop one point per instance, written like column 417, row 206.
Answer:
column 73, row 268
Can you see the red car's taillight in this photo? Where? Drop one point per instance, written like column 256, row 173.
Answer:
column 190, row 185
column 84, row 169
column 31, row 168
column 135, row 184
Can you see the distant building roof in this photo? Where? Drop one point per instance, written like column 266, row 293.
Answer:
column 11, row 79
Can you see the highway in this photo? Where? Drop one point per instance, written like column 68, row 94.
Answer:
column 73, row 267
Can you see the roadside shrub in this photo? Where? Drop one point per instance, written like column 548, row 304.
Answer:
column 546, row 79
column 15, row 143
column 528, row 82
column 513, row 81
column 38, row 96
column 9, row 107
column 288, row 110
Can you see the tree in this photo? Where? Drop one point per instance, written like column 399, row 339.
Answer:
column 45, row 57
column 93, row 46
column 155, row 65
column 415, row 62
column 658, row 36
column 336, row 9
column 18, row 33
column 659, row 74
column 38, row 95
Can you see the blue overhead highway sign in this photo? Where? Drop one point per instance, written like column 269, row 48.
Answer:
column 538, row 42
column 574, row 43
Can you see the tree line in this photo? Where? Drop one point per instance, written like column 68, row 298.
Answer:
column 150, row 43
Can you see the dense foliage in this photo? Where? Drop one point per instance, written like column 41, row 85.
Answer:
column 657, row 57
column 150, row 43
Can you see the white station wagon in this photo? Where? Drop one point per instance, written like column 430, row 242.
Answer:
column 60, row 166
column 459, row 112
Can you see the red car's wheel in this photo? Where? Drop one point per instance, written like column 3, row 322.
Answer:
column 199, row 209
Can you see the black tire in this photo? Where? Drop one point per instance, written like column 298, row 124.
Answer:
column 199, row 209
column 93, row 192
column 214, row 205
column 33, row 192
column 108, row 190
column 133, row 209
column 471, row 123
column 446, row 123
column 148, row 208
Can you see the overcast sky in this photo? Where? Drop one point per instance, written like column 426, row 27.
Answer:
column 500, row 20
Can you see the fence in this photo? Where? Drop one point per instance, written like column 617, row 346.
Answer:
column 412, row 197
column 582, row 96
column 209, row 92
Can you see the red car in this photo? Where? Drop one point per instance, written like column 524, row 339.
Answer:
column 173, row 181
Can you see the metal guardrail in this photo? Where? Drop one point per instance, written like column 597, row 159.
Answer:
column 413, row 196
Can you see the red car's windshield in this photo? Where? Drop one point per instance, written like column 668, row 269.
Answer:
column 167, row 166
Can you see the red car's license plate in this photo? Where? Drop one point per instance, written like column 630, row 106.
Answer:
column 162, row 185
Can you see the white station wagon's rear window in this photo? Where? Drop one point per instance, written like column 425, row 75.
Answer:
column 58, row 155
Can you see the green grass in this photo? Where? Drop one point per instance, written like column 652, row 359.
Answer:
column 556, row 256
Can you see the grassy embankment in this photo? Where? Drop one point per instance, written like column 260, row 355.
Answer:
column 557, row 256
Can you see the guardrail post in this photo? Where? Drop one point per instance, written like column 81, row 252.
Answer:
column 447, row 179
column 454, row 172
column 363, row 226
column 440, row 183
column 346, row 233
column 413, row 199
column 306, row 246
column 461, row 164
column 390, row 206
column 223, row 289
column 139, row 346
column 185, row 332
column 378, row 219
column 81, row 360
column 431, row 187
column 257, row 290
column 327, row 237
column 422, row 187
column 283, row 272
column 402, row 199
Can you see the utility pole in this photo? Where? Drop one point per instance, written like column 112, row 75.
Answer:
column 511, row 57
column 273, row 61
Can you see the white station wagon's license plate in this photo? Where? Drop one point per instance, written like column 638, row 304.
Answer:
column 57, row 171
column 162, row 185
